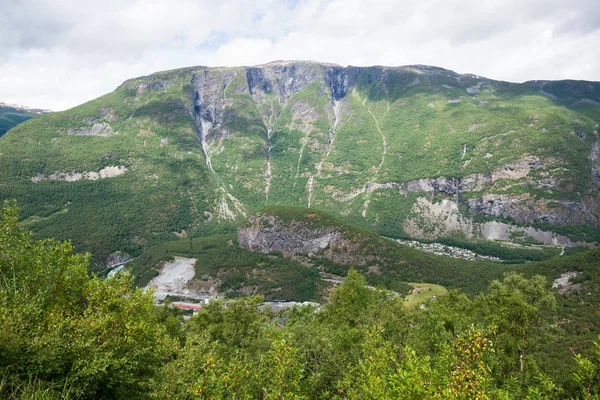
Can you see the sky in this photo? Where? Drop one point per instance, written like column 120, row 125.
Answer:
column 56, row 54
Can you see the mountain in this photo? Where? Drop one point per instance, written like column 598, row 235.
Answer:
column 413, row 151
column 12, row 115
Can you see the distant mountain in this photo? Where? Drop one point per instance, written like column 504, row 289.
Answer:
column 413, row 151
column 11, row 115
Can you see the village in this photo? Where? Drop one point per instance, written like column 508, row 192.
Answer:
column 447, row 251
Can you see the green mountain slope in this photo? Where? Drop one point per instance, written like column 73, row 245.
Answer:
column 409, row 151
column 11, row 116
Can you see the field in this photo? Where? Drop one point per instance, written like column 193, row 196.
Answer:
column 421, row 292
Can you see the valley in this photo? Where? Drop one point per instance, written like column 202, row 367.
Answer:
column 328, row 216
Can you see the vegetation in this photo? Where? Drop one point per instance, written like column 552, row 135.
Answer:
column 11, row 117
column 237, row 270
column 69, row 335
column 435, row 124
column 498, row 332
column 63, row 331
column 382, row 261
column 422, row 292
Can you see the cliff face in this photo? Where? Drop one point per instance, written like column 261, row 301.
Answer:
column 307, row 94
column 388, row 148
column 309, row 234
column 268, row 234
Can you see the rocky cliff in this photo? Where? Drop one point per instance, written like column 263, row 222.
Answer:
column 266, row 234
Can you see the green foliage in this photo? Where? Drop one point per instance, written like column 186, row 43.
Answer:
column 352, row 301
column 219, row 257
column 519, row 308
column 237, row 326
column 97, row 337
column 64, row 334
column 587, row 374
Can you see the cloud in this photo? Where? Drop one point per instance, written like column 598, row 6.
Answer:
column 59, row 53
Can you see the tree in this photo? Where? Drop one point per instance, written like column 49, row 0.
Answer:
column 62, row 326
column 236, row 324
column 520, row 309
column 353, row 301
column 587, row 375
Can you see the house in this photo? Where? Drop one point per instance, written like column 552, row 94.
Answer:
column 186, row 306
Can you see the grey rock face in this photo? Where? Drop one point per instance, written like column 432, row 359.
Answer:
column 338, row 82
column 564, row 285
column 256, row 80
column 595, row 158
column 102, row 129
column 267, row 234
column 208, row 94
column 525, row 210
column 495, row 230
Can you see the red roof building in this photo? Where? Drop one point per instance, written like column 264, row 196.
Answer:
column 186, row 306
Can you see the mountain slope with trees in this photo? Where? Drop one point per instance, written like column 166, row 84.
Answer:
column 71, row 336
column 411, row 151
column 12, row 115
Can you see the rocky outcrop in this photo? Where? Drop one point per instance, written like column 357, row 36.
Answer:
column 107, row 172
column 433, row 220
column 266, row 233
column 524, row 209
column 495, row 230
column 473, row 182
column 520, row 168
column 99, row 129
column 564, row 285
column 338, row 82
column 443, row 219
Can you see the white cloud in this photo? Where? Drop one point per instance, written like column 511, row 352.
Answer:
column 59, row 53
column 244, row 51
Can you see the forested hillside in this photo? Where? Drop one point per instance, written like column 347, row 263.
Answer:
column 11, row 116
column 271, row 255
column 65, row 334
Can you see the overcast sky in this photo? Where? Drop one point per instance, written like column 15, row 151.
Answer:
column 56, row 54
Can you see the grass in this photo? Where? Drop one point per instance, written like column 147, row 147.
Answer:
column 421, row 292
column 34, row 219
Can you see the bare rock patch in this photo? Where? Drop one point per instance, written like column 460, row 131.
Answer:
column 100, row 129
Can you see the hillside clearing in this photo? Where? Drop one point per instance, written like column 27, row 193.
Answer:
column 422, row 292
